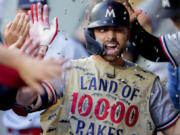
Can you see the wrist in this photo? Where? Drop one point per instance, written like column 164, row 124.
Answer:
column 41, row 102
column 18, row 60
column 42, row 50
column 51, row 92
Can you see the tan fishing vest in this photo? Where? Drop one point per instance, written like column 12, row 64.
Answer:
column 100, row 99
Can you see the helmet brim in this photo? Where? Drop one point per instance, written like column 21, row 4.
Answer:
column 112, row 22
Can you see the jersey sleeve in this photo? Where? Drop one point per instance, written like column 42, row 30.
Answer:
column 146, row 44
column 171, row 46
column 162, row 109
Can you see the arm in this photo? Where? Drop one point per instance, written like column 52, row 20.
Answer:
column 26, row 98
column 146, row 44
column 40, row 29
column 162, row 110
column 173, row 130
column 38, row 101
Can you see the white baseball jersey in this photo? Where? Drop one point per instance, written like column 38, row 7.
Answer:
column 171, row 47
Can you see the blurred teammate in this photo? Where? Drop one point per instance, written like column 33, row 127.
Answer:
column 60, row 47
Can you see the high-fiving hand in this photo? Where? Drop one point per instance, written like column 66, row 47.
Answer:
column 19, row 27
column 40, row 29
column 133, row 13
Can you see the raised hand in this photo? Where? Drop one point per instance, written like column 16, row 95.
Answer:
column 40, row 29
column 16, row 29
column 133, row 13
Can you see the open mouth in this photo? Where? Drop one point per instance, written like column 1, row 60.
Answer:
column 111, row 48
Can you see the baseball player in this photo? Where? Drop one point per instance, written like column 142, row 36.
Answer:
column 17, row 125
column 105, row 94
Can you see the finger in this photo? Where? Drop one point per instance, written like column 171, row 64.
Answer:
column 56, row 71
column 45, row 16
column 30, row 17
column 32, row 13
column 129, row 7
column 33, row 48
column 135, row 15
column 38, row 11
column 19, row 42
column 63, row 60
column 20, row 23
column 54, row 28
column 138, row 12
column 7, row 27
column 25, row 45
column 42, row 51
column 59, row 62
column 66, row 68
column 35, row 53
column 14, row 25
column 24, row 25
column 26, row 32
column 24, row 35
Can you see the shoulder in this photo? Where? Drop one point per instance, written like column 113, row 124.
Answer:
column 161, row 105
column 171, row 38
column 138, row 69
column 82, row 61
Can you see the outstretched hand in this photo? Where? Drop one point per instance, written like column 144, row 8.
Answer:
column 34, row 71
column 40, row 29
column 16, row 29
column 133, row 13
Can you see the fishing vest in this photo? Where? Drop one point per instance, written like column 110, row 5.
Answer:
column 100, row 99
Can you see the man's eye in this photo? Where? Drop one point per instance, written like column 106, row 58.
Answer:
column 102, row 30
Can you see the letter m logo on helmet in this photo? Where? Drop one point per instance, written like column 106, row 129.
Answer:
column 110, row 12
column 165, row 3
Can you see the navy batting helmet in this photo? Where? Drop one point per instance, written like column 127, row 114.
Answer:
column 103, row 14
column 108, row 14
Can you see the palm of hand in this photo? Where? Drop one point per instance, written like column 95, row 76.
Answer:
column 41, row 34
column 40, row 30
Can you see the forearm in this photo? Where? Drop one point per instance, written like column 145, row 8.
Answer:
column 29, row 101
column 174, row 129
column 146, row 44
column 10, row 58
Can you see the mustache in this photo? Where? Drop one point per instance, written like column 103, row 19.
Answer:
column 111, row 42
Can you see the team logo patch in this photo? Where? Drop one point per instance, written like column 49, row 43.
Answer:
column 110, row 12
